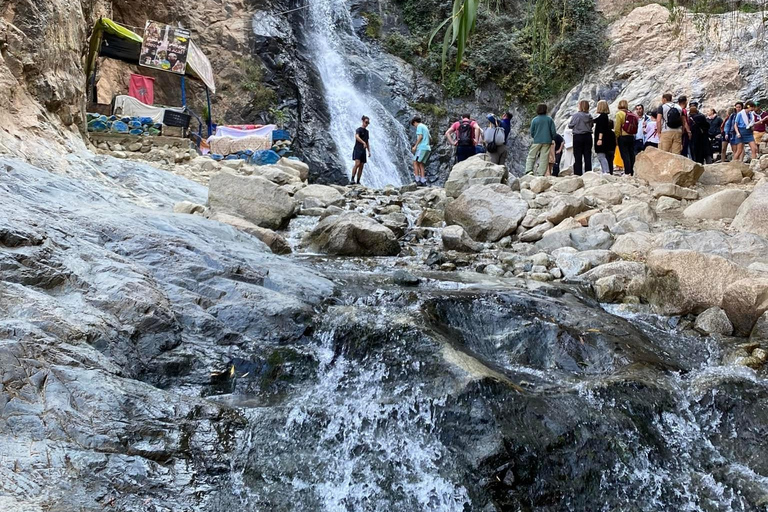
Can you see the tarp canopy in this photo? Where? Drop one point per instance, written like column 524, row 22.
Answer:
column 114, row 41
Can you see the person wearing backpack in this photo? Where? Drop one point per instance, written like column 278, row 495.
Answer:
column 670, row 122
column 543, row 133
column 581, row 123
column 625, row 129
column 464, row 135
column 494, row 141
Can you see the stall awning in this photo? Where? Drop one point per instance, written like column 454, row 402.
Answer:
column 109, row 39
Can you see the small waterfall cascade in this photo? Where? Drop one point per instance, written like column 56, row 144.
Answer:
column 333, row 41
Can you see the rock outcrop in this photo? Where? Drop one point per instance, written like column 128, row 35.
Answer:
column 352, row 234
column 487, row 212
column 253, row 198
column 752, row 216
column 656, row 166
column 476, row 170
column 720, row 205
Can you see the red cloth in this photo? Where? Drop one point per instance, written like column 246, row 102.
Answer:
column 142, row 88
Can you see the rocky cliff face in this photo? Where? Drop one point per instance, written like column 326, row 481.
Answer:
column 716, row 60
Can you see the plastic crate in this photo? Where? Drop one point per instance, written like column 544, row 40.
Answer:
column 173, row 118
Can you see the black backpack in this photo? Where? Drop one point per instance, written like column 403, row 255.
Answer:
column 465, row 134
column 674, row 118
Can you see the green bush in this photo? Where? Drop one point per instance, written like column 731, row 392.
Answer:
column 262, row 97
column 533, row 51
column 373, row 24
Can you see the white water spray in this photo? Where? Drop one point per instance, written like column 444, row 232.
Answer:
column 330, row 35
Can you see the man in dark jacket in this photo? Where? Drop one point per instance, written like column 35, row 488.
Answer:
column 699, row 126
column 714, row 133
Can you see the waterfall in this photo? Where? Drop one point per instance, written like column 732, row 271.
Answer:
column 332, row 39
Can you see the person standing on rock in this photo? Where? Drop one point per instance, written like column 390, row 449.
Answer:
column 682, row 102
column 760, row 124
column 714, row 132
column 651, row 131
column 464, row 135
column 360, row 150
column 494, row 141
column 625, row 129
column 728, row 134
column 605, row 140
column 581, row 123
column 421, row 151
column 643, row 119
column 543, row 133
column 699, row 135
column 737, row 145
column 745, row 124
column 556, row 155
column 506, row 123
column 670, row 119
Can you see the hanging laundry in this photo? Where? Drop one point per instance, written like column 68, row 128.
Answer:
column 142, row 88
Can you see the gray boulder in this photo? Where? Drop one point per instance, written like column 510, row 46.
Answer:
column 474, row 171
column 656, row 166
column 456, row 239
column 564, row 207
column 487, row 212
column 720, row 205
column 724, row 173
column 276, row 243
column 252, row 198
column 322, row 195
column 744, row 301
column 752, row 216
column 352, row 234
column 714, row 321
column 674, row 191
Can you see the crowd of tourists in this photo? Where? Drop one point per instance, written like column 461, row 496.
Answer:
column 614, row 138
column 676, row 127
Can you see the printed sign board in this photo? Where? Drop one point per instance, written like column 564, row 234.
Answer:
column 165, row 48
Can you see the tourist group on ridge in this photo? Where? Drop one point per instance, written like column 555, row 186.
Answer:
column 675, row 127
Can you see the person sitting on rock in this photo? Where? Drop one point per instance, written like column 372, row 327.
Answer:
column 421, row 151
column 464, row 135
column 494, row 141
column 359, row 152
column 543, row 133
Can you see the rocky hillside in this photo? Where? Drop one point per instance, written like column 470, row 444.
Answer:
column 714, row 59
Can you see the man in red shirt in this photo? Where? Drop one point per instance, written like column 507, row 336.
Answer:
column 465, row 135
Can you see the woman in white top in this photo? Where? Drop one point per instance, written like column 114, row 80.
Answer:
column 651, row 131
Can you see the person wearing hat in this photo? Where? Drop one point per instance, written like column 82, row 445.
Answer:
column 494, row 138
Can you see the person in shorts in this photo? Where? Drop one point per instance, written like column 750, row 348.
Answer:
column 360, row 150
column 421, row 151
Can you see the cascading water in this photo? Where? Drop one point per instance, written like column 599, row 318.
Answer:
column 332, row 40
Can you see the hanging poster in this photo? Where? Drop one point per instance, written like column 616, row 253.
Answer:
column 164, row 47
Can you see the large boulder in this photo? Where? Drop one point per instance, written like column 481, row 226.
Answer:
column 633, row 246
column 582, row 239
column 252, row 198
column 656, row 166
column 487, row 212
column 744, row 301
column 608, row 193
column 682, row 281
column 352, row 234
column 456, row 239
column 564, row 207
column 321, row 196
column 752, row 216
column 297, row 166
column 276, row 243
column 474, row 171
column 720, row 205
column 613, row 281
column 724, row 173
column 714, row 321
